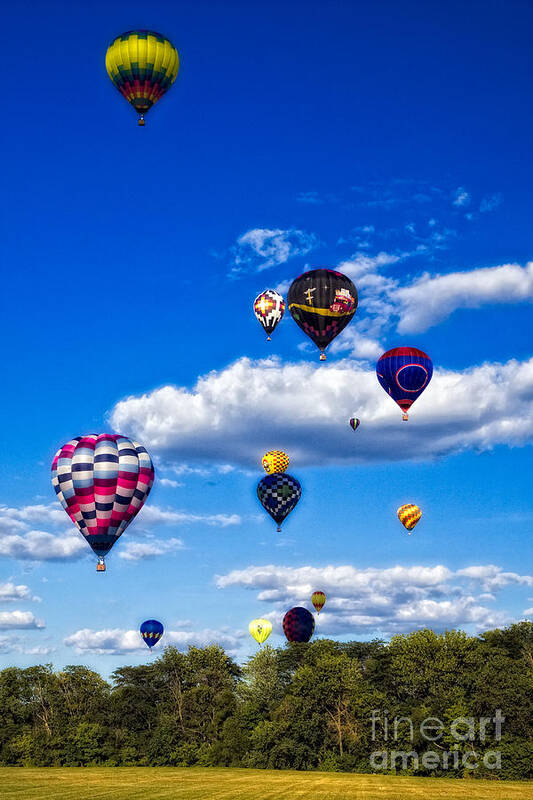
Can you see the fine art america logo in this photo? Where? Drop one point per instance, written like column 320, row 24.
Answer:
column 452, row 745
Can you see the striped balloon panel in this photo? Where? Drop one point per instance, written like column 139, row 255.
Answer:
column 142, row 65
column 318, row 600
column 102, row 481
column 409, row 514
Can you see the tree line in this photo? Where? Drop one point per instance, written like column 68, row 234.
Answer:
column 325, row 705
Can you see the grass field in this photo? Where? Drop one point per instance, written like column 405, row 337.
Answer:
column 167, row 783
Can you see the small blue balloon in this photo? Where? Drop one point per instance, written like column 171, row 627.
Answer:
column 151, row 632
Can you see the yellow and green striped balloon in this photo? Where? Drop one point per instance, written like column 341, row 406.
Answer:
column 260, row 629
column 143, row 65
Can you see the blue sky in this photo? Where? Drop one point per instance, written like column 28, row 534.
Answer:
column 388, row 140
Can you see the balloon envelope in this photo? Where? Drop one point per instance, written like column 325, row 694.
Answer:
column 102, row 481
column 275, row 461
column 354, row 422
column 409, row 515
column 404, row 373
column 151, row 632
column 318, row 599
column 143, row 65
column 322, row 302
column 298, row 624
column 269, row 307
column 278, row 494
column 260, row 629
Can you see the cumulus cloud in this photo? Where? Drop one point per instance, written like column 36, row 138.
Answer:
column 261, row 248
column 374, row 600
column 18, row 540
column 490, row 202
column 149, row 548
column 11, row 620
column 492, row 577
column 115, row 641
column 430, row 299
column 263, row 403
column 10, row 592
column 42, row 546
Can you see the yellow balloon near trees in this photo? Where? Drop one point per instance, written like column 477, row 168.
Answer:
column 275, row 461
column 260, row 629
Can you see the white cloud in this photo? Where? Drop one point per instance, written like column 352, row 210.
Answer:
column 115, row 641
column 371, row 600
column 10, row 592
column 149, row 548
column 154, row 514
column 528, row 612
column 430, row 299
column 42, row 546
column 18, row 541
column 474, row 408
column 492, row 577
column 168, row 483
column 11, row 620
column 261, row 248
column 361, row 263
column 461, row 197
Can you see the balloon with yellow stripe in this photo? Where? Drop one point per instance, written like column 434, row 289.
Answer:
column 260, row 629
column 409, row 515
column 275, row 461
column 143, row 65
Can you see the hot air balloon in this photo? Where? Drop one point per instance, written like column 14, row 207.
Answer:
column 409, row 515
column 322, row 302
column 151, row 631
column 102, row 481
column 278, row 494
column 318, row 599
column 275, row 461
column 298, row 624
column 404, row 373
column 143, row 65
column 354, row 422
column 260, row 629
column 269, row 307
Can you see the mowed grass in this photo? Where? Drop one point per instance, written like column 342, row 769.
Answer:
column 167, row 783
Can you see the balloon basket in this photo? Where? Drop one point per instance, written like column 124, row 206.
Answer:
column 269, row 339
column 279, row 528
column 322, row 356
column 100, row 566
column 405, row 416
column 141, row 121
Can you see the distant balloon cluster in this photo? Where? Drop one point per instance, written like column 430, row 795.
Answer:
column 103, row 480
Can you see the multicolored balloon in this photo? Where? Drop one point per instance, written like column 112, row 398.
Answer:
column 269, row 308
column 143, row 65
column 298, row 624
column 322, row 302
column 278, row 494
column 151, row 631
column 275, row 461
column 404, row 373
column 354, row 422
column 260, row 629
column 409, row 515
column 102, row 481
column 318, row 599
